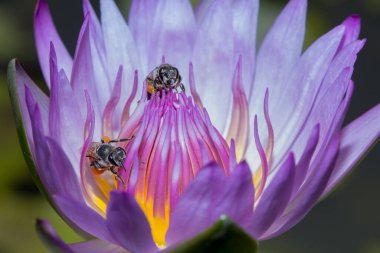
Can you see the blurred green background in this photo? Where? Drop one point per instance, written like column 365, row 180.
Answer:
column 347, row 221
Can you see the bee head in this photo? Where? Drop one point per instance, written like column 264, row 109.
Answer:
column 168, row 75
column 117, row 156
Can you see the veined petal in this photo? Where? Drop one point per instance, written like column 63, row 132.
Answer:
column 83, row 77
column 56, row 244
column 173, row 35
column 274, row 199
column 297, row 100
column 236, row 197
column 280, row 50
column 120, row 48
column 97, row 246
column 308, row 194
column 356, row 139
column 197, row 200
column 244, row 21
column 128, row 224
column 45, row 33
column 352, row 32
column 211, row 195
column 324, row 112
column 141, row 16
column 17, row 81
column 213, row 61
column 83, row 217
column 58, row 177
column 65, row 119
column 51, row 238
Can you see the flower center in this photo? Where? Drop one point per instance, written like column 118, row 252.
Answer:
column 173, row 140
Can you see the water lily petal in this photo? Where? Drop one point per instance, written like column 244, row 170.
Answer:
column 356, row 139
column 244, row 22
column 308, row 194
column 191, row 215
column 58, row 177
column 120, row 47
column 51, row 238
column 141, row 16
column 102, row 78
column 56, row 244
column 274, row 198
column 97, row 246
column 45, row 33
column 83, row 217
column 128, row 224
column 208, row 197
column 213, row 62
column 280, row 50
column 65, row 119
column 17, row 81
column 303, row 164
column 352, row 24
column 236, row 197
column 296, row 100
column 324, row 113
column 173, row 35
column 83, row 77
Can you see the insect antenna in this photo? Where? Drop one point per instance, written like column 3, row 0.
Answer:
column 121, row 140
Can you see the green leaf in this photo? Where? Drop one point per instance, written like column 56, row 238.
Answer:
column 222, row 237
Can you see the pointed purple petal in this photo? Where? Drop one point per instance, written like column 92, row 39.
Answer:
column 141, row 18
column 44, row 33
column 324, row 113
column 65, row 119
column 280, row 50
column 173, row 36
column 213, row 61
column 128, row 224
column 23, row 81
column 309, row 194
column 120, row 47
column 83, row 76
column 356, row 139
column 97, row 246
column 51, row 238
column 56, row 244
column 192, row 212
column 296, row 101
column 236, row 197
column 83, row 217
column 274, row 198
column 245, row 13
column 303, row 164
column 352, row 32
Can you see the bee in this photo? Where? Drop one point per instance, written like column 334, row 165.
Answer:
column 164, row 78
column 105, row 156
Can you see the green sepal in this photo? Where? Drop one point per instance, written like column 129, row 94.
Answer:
column 17, row 115
column 23, row 140
column 222, row 237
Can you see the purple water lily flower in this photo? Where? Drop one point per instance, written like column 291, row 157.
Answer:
column 257, row 138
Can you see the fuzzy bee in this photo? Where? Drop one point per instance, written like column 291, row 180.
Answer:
column 105, row 156
column 163, row 78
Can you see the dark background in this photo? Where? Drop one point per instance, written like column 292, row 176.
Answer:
column 347, row 221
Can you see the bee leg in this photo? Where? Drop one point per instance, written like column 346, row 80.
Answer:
column 118, row 177
column 182, row 87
